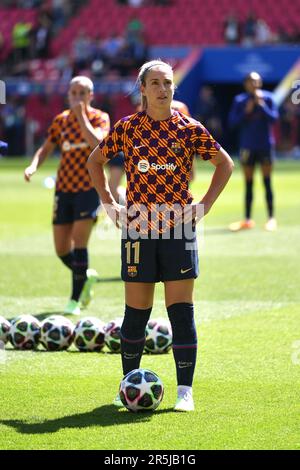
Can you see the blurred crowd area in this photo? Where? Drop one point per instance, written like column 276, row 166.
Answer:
column 24, row 119
column 255, row 31
column 118, row 55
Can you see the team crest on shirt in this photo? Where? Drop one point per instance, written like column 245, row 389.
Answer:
column 132, row 271
column 176, row 148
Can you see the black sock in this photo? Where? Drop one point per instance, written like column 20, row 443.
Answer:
column 181, row 316
column 68, row 259
column 269, row 195
column 249, row 198
column 133, row 337
column 80, row 265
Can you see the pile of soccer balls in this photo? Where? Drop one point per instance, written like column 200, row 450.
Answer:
column 57, row 333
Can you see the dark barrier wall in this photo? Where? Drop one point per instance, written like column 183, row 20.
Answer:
column 232, row 64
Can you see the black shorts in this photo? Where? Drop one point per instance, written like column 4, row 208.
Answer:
column 148, row 260
column 69, row 207
column 253, row 157
column 117, row 161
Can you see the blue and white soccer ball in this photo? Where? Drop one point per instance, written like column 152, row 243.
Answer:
column 57, row 333
column 141, row 390
column 25, row 332
column 4, row 329
column 112, row 335
column 89, row 334
column 158, row 336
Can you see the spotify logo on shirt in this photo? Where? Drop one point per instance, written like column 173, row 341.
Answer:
column 144, row 166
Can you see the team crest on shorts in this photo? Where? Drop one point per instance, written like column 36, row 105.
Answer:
column 176, row 148
column 132, row 271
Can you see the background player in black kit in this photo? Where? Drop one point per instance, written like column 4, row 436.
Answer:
column 254, row 112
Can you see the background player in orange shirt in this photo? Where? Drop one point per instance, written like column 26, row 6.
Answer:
column 159, row 145
column 76, row 131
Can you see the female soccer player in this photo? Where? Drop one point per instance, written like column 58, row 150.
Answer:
column 255, row 112
column 159, row 144
column 77, row 131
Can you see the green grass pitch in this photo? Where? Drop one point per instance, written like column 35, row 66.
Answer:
column 247, row 303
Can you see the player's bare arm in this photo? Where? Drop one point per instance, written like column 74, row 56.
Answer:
column 39, row 157
column 91, row 135
column 224, row 168
column 95, row 166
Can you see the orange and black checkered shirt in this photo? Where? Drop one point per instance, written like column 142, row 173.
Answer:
column 65, row 131
column 158, row 157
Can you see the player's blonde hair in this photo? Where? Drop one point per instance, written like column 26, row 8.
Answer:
column 141, row 80
column 86, row 82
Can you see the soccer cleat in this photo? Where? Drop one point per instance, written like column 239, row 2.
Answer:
column 271, row 225
column 117, row 402
column 87, row 292
column 72, row 308
column 241, row 225
column 184, row 403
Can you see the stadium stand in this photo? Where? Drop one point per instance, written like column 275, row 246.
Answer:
column 178, row 24
column 169, row 29
column 9, row 17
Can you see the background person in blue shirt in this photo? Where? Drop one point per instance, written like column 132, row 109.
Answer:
column 254, row 112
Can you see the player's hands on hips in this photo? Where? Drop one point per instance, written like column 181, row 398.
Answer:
column 117, row 214
column 191, row 212
column 28, row 172
column 194, row 211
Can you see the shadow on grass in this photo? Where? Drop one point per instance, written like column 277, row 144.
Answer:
column 106, row 415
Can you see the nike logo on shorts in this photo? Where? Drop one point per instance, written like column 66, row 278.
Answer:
column 82, row 214
column 183, row 271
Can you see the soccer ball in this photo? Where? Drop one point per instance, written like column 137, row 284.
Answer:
column 89, row 334
column 141, row 390
column 25, row 332
column 112, row 335
column 158, row 336
column 57, row 333
column 4, row 329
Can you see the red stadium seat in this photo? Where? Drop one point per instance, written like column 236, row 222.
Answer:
column 183, row 22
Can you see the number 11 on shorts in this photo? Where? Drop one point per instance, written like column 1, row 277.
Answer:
column 135, row 248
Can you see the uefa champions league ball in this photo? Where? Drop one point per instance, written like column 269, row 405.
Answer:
column 57, row 333
column 4, row 329
column 112, row 335
column 89, row 334
column 25, row 332
column 141, row 390
column 158, row 336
